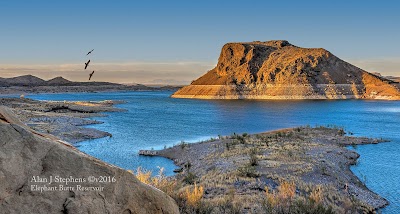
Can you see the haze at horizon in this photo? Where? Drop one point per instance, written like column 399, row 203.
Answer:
column 177, row 41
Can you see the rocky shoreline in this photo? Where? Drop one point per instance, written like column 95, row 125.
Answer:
column 39, row 173
column 64, row 119
column 246, row 164
column 307, row 156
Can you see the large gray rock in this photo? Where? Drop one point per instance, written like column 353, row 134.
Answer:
column 27, row 158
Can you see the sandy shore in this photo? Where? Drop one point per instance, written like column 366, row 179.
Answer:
column 62, row 119
column 246, row 164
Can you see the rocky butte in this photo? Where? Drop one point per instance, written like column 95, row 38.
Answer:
column 279, row 70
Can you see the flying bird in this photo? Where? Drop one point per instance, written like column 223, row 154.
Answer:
column 87, row 64
column 90, row 52
column 91, row 74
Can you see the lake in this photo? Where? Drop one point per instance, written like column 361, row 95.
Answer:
column 154, row 121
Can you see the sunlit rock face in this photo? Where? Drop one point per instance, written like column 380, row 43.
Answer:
column 279, row 70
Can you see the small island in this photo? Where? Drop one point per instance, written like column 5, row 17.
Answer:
column 279, row 70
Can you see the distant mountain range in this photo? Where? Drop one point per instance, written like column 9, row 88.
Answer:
column 30, row 80
column 28, row 84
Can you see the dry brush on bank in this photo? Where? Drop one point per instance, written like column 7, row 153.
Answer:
column 301, row 170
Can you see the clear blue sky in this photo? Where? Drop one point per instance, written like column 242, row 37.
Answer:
column 59, row 32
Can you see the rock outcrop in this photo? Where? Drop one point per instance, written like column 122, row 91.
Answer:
column 30, row 163
column 280, row 70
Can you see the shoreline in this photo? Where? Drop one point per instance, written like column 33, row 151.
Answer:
column 71, row 116
column 326, row 161
column 30, row 159
column 18, row 90
column 64, row 119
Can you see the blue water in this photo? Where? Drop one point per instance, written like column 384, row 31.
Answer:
column 155, row 120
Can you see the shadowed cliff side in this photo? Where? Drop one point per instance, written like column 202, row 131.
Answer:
column 280, row 70
column 28, row 158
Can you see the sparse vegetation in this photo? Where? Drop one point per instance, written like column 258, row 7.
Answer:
column 190, row 178
column 276, row 172
column 247, row 171
column 183, row 144
column 253, row 157
column 341, row 132
column 193, row 197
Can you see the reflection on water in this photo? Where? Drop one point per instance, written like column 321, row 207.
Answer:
column 154, row 120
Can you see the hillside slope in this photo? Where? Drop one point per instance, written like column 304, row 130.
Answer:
column 280, row 70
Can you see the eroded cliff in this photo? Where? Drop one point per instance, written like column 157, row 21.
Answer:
column 280, row 70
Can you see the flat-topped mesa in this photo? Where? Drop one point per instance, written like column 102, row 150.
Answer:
column 279, row 70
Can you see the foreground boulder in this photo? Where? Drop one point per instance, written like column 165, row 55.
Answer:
column 280, row 70
column 42, row 174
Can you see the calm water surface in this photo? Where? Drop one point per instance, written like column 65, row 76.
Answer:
column 155, row 120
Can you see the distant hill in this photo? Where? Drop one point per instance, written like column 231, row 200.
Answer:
column 58, row 81
column 30, row 80
column 396, row 79
column 279, row 70
column 26, row 80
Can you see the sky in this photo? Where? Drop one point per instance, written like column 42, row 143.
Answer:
column 174, row 42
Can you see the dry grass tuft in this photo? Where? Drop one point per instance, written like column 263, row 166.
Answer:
column 193, row 197
column 316, row 195
column 143, row 176
column 287, row 190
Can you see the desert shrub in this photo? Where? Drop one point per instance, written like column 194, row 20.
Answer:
column 143, row 175
column 183, row 144
column 247, row 171
column 160, row 181
column 193, row 197
column 227, row 204
column 284, row 201
column 341, row 132
column 187, row 166
column 227, row 207
column 271, row 198
column 165, row 184
column 308, row 207
column 190, row 178
column 241, row 139
column 253, row 157
column 227, row 146
column 287, row 190
column 316, row 195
